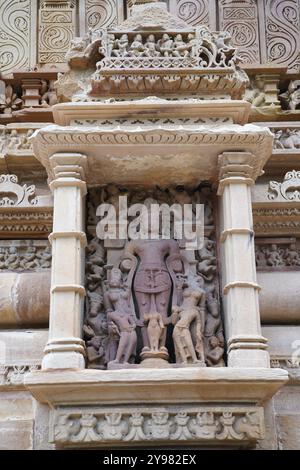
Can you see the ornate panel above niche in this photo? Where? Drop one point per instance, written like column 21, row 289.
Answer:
column 152, row 302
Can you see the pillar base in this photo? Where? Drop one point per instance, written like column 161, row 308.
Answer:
column 63, row 360
column 246, row 358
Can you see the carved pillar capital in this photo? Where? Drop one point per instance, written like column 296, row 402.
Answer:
column 234, row 168
column 69, row 169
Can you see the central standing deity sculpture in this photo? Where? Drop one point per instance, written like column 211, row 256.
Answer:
column 156, row 267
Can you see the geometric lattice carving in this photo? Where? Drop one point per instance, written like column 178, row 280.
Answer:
column 15, row 33
column 56, row 29
column 283, row 32
column 240, row 19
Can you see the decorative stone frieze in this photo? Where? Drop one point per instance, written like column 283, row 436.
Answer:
column 124, row 426
column 25, row 256
column 277, row 253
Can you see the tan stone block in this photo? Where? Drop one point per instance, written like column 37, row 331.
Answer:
column 22, row 347
column 15, row 406
column 289, row 432
column 16, row 435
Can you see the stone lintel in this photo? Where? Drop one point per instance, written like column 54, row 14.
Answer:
column 156, row 386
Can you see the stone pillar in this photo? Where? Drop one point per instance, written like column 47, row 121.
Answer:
column 245, row 343
column 65, row 347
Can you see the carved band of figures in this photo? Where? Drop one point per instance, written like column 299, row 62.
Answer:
column 23, row 258
column 153, row 424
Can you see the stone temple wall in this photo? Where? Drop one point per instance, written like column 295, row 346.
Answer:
column 48, row 49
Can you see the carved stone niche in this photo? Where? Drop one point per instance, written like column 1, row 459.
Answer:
column 132, row 285
column 152, row 303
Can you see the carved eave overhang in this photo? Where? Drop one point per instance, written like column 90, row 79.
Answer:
column 211, row 393
column 157, row 155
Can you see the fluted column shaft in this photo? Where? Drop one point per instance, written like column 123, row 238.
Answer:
column 245, row 343
column 65, row 347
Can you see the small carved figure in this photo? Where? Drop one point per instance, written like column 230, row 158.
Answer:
column 120, row 317
column 189, row 346
column 45, row 257
column 13, row 260
column 165, row 45
column 14, row 140
column 30, row 260
column 274, row 256
column 292, row 256
column 215, row 352
column 111, row 45
column 2, row 258
column 136, row 48
column 207, row 265
column 193, row 44
column 155, row 330
column 150, row 47
column 121, row 46
column 48, row 93
column 24, row 143
column 180, row 48
column 287, row 139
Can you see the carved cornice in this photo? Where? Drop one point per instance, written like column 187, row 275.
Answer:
column 192, row 153
column 154, row 424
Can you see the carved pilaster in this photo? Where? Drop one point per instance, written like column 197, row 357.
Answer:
column 65, row 348
column 246, row 346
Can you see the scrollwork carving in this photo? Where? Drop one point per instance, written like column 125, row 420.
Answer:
column 56, row 30
column 23, row 195
column 240, row 19
column 282, row 36
column 288, row 190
